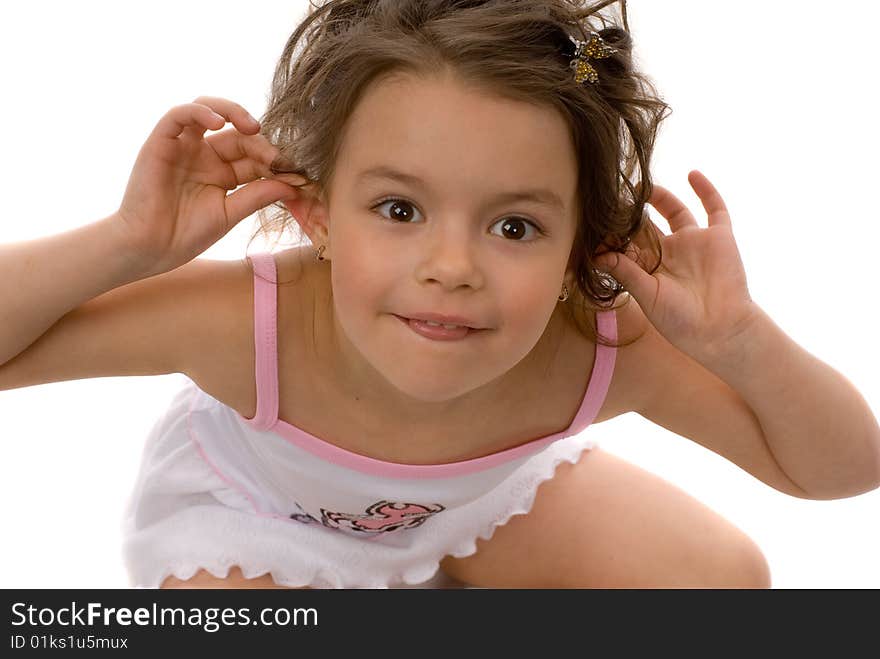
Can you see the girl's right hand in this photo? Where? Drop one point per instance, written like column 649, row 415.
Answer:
column 176, row 204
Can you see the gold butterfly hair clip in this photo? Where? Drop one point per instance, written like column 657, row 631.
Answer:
column 584, row 51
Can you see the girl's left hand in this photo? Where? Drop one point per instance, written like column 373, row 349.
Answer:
column 698, row 298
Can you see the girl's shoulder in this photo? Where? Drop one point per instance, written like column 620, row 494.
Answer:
column 227, row 362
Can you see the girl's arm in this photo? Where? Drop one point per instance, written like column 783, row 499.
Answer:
column 818, row 426
column 59, row 318
column 767, row 406
column 175, row 322
column 176, row 204
column 41, row 280
column 777, row 407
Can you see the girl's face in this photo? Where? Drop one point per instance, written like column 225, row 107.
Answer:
column 457, row 241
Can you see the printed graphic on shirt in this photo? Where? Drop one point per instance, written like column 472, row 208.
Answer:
column 302, row 516
column 382, row 517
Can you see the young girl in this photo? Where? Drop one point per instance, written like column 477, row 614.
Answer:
column 328, row 441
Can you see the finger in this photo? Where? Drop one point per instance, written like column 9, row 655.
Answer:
column 672, row 208
column 230, row 145
column 191, row 116
column 232, row 112
column 715, row 207
column 248, row 169
column 627, row 272
column 254, row 196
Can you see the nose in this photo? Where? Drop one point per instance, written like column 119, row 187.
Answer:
column 450, row 256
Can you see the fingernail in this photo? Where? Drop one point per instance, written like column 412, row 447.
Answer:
column 291, row 178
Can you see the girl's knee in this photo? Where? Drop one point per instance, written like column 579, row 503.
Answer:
column 235, row 579
column 742, row 566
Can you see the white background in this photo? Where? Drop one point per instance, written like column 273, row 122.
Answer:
column 777, row 107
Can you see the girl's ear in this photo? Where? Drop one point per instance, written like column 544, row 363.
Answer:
column 311, row 214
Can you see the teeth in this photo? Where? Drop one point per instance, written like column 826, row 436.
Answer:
column 433, row 324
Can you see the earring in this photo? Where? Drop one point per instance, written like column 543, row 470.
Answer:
column 319, row 256
column 564, row 296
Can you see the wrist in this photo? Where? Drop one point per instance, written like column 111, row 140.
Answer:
column 746, row 338
column 134, row 262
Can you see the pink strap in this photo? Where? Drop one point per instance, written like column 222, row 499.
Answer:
column 265, row 340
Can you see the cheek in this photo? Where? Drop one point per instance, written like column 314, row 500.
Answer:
column 359, row 278
column 528, row 302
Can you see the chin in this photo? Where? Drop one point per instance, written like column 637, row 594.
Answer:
column 419, row 390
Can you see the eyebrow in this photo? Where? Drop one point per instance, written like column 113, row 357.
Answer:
column 538, row 195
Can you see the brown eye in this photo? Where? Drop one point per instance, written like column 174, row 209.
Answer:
column 401, row 211
column 516, row 227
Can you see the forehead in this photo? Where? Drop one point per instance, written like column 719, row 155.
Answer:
column 450, row 133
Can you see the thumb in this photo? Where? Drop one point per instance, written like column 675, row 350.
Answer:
column 254, row 196
column 624, row 270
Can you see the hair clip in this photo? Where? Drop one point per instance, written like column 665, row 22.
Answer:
column 595, row 48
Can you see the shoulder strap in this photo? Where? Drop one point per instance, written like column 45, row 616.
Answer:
column 606, row 324
column 265, row 340
column 603, row 367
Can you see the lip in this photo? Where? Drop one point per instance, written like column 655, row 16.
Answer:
column 438, row 333
column 440, row 318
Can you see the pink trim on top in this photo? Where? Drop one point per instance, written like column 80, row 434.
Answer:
column 265, row 342
column 231, row 482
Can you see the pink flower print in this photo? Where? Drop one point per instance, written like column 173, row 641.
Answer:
column 382, row 517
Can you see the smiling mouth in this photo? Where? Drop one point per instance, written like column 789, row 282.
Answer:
column 438, row 332
column 434, row 323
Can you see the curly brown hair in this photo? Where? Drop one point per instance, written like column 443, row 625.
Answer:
column 516, row 49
